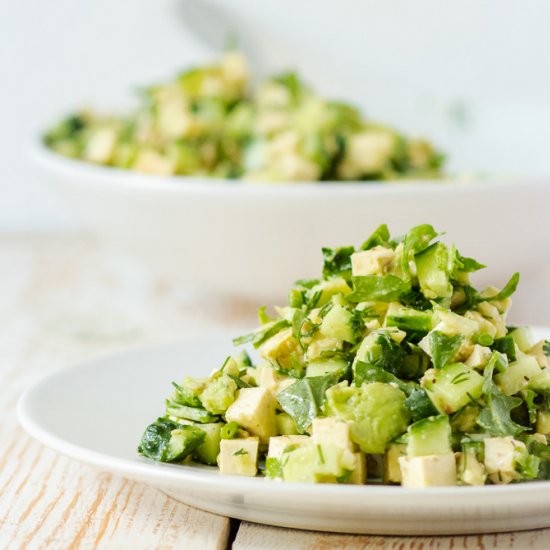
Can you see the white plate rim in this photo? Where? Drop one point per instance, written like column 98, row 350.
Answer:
column 143, row 467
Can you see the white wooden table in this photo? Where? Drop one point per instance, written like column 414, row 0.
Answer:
column 55, row 293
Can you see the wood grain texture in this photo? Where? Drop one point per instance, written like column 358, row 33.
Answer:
column 55, row 295
column 47, row 500
column 252, row 536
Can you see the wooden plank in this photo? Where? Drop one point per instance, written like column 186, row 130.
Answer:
column 252, row 536
column 46, row 500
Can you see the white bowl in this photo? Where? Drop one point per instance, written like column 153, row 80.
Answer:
column 254, row 240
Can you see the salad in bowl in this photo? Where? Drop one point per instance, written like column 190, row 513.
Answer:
column 210, row 122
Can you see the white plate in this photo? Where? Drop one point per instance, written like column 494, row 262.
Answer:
column 96, row 413
column 255, row 240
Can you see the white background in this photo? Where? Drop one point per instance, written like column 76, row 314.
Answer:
column 474, row 75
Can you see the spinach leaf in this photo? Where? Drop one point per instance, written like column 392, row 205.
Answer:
column 167, row 441
column 507, row 291
column 507, row 346
column 258, row 337
column 420, row 405
column 380, row 237
column 415, row 299
column 392, row 355
column 383, row 288
column 337, row 262
column 443, row 348
column 495, row 418
column 303, row 399
column 468, row 265
column 240, row 383
column 415, row 241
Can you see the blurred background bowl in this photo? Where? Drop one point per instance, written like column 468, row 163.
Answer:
column 252, row 240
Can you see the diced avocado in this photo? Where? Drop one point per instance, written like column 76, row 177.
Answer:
column 392, row 469
column 518, row 375
column 409, row 319
column 432, row 272
column 337, row 324
column 321, row 367
column 464, row 420
column 239, row 456
column 428, row 471
column 543, row 422
column 359, row 473
column 219, row 394
column 207, row 452
column 376, row 413
column 523, row 338
column 316, row 463
column 285, row 424
column 452, row 387
column 430, row 436
column 471, row 470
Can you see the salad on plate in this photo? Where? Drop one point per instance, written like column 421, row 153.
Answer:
column 209, row 122
column 390, row 368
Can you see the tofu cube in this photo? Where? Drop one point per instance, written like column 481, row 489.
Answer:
column 331, row 431
column 500, row 458
column 271, row 380
column 375, row 261
column 254, row 410
column 428, row 471
column 239, row 457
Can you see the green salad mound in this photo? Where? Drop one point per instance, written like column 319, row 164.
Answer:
column 390, row 367
column 209, row 122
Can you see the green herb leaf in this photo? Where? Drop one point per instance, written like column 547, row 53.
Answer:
column 495, row 418
column 414, row 242
column 303, row 399
column 380, row 237
column 507, row 346
column 258, row 337
column 507, row 291
column 240, row 452
column 337, row 262
column 384, row 288
column 469, row 265
column 368, row 372
column 443, row 348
